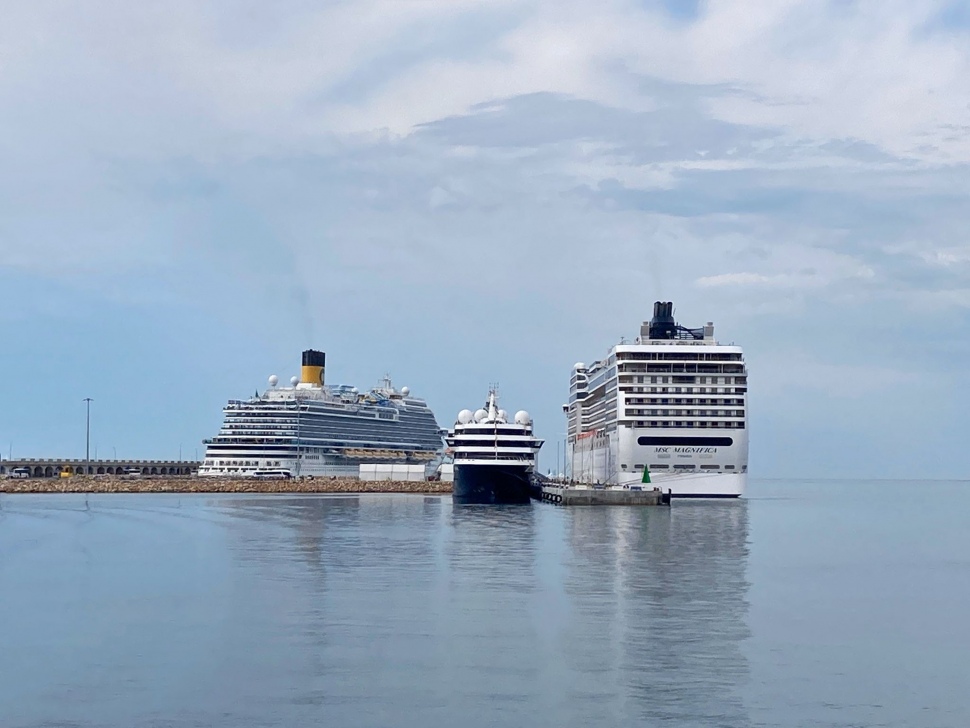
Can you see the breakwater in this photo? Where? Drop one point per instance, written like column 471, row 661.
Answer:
column 108, row 484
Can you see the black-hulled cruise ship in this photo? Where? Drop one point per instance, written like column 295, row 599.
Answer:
column 310, row 428
column 494, row 458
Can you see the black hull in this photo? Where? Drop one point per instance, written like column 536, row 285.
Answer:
column 491, row 484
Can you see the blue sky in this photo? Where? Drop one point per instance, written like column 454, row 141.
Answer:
column 465, row 192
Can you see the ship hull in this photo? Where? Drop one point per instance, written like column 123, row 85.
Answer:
column 319, row 467
column 701, row 485
column 491, row 484
column 711, row 472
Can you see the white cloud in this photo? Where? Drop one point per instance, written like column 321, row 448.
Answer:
column 735, row 279
column 759, row 163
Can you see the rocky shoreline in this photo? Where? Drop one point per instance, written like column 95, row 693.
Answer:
column 192, row 484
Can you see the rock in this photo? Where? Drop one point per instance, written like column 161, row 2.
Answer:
column 194, row 484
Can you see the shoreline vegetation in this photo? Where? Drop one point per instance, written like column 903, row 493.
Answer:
column 195, row 484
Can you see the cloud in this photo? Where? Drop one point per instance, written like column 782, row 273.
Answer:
column 735, row 279
column 414, row 181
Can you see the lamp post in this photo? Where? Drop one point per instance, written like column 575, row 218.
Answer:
column 87, row 437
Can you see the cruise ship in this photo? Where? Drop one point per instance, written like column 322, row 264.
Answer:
column 310, row 428
column 494, row 458
column 668, row 409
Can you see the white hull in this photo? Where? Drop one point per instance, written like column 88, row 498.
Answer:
column 618, row 459
column 314, row 468
column 699, row 485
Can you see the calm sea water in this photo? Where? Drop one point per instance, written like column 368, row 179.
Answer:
column 834, row 604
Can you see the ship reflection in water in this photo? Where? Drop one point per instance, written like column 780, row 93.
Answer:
column 369, row 611
column 663, row 595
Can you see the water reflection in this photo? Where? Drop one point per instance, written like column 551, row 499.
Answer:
column 662, row 597
column 370, row 611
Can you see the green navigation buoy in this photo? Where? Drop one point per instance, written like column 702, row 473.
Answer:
column 646, row 475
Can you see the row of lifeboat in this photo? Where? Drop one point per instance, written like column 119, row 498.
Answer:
column 359, row 454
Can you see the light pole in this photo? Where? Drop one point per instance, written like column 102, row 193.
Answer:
column 87, row 437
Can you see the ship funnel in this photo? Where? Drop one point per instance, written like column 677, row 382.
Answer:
column 662, row 325
column 314, row 364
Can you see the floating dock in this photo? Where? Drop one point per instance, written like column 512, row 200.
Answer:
column 592, row 495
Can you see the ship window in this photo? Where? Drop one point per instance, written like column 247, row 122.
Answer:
column 638, row 466
column 729, row 467
column 681, row 466
column 659, row 466
column 710, row 467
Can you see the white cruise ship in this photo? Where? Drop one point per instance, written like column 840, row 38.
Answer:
column 310, row 428
column 494, row 457
column 673, row 403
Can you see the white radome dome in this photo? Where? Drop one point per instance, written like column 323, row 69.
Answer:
column 579, row 365
column 522, row 418
column 294, row 381
column 465, row 416
column 273, row 380
column 503, row 415
column 405, row 391
column 480, row 415
column 353, row 390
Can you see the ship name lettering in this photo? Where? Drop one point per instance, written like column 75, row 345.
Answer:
column 687, row 450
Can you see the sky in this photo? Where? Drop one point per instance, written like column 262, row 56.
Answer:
column 460, row 192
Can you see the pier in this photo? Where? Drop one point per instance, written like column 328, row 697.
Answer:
column 590, row 495
column 63, row 467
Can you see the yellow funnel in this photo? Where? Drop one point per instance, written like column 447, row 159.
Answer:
column 314, row 363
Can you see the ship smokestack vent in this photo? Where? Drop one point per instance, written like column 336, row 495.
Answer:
column 314, row 364
column 663, row 325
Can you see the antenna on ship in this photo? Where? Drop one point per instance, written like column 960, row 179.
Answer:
column 492, row 404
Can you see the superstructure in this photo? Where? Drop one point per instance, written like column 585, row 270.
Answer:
column 670, row 408
column 311, row 428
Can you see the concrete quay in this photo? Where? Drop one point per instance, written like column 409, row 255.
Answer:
column 194, row 484
column 588, row 495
